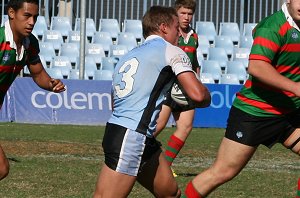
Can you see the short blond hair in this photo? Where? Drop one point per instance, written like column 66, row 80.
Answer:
column 155, row 16
column 189, row 4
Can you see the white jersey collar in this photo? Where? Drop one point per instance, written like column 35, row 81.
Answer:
column 288, row 17
column 10, row 38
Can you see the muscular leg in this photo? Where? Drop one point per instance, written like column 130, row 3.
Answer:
column 162, row 120
column 184, row 124
column 293, row 142
column 113, row 184
column 4, row 164
column 231, row 159
column 157, row 177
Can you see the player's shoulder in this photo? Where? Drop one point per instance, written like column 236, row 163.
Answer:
column 273, row 22
column 31, row 42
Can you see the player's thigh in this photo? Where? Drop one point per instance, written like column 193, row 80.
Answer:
column 184, row 119
column 113, row 184
column 157, row 177
column 232, row 157
column 163, row 118
column 293, row 141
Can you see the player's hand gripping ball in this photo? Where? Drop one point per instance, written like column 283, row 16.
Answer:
column 179, row 96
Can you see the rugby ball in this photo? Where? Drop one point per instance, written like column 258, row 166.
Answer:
column 178, row 96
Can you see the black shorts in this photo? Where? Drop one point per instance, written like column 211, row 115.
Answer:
column 126, row 150
column 174, row 106
column 253, row 131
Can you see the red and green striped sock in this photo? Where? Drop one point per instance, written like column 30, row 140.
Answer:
column 173, row 148
column 191, row 192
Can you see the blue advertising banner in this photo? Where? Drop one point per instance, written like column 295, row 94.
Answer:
column 84, row 103
column 216, row 114
column 88, row 102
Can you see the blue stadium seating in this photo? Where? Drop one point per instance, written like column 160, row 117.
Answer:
column 128, row 39
column 110, row 25
column 134, row 26
column 103, row 75
column 61, row 24
column 230, row 29
column 208, row 29
column 248, row 27
column 229, row 79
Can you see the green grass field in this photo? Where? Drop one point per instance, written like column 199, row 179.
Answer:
column 64, row 161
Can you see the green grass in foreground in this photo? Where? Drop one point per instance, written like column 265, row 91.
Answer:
column 64, row 161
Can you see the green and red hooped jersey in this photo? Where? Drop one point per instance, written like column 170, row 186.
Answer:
column 9, row 66
column 190, row 48
column 278, row 43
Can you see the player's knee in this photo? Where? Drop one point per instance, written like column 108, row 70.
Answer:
column 223, row 175
column 4, row 169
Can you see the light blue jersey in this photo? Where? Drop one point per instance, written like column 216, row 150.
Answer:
column 141, row 79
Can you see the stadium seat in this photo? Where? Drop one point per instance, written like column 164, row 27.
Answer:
column 90, row 63
column 103, row 75
column 40, row 26
column 134, row 26
column 55, row 37
column 246, row 41
column 230, row 29
column 103, row 38
column 108, row 63
column 226, row 43
column 90, row 27
column 63, row 63
column 74, row 74
column 200, row 56
column 117, row 51
column 203, row 45
column 208, row 29
column 207, row 78
column 4, row 18
column 95, row 51
column 231, row 79
column 237, row 68
column 61, row 24
column 54, row 73
column 89, row 73
column 241, row 54
column 74, row 37
column 70, row 50
column 110, row 25
column 212, row 67
column 47, row 51
column 128, row 39
column 218, row 54
column 248, row 27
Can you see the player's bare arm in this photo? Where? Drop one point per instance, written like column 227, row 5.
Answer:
column 195, row 89
column 43, row 80
column 267, row 74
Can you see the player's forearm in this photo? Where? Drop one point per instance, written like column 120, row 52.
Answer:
column 43, row 80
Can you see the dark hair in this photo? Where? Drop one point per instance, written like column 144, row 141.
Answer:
column 17, row 4
column 189, row 4
column 155, row 16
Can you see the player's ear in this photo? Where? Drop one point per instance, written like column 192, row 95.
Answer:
column 163, row 28
column 11, row 13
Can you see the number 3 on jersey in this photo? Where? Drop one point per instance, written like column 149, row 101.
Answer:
column 127, row 70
